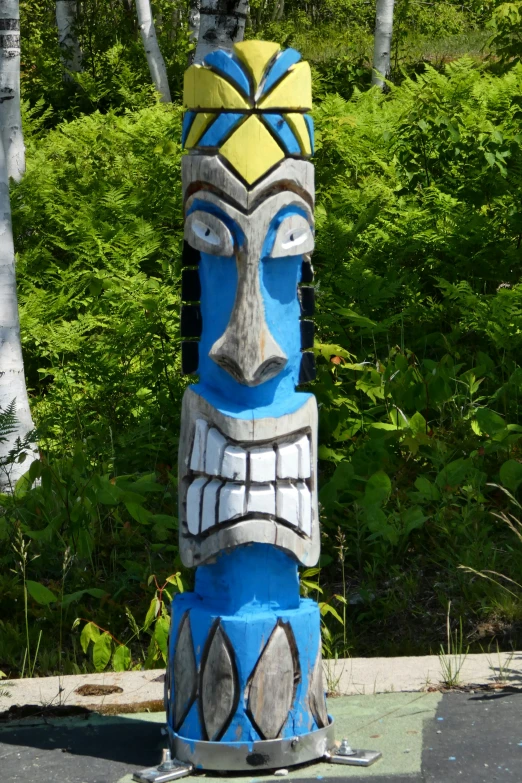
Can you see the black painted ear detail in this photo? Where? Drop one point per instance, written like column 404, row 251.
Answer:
column 307, row 271
column 307, row 334
column 189, row 357
column 191, row 321
column 190, row 256
column 307, row 299
column 307, row 371
column 190, row 285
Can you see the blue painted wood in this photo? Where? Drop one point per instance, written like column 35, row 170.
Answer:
column 250, row 589
column 188, row 119
column 286, row 59
column 310, row 123
column 230, row 67
column 282, row 130
column 220, row 129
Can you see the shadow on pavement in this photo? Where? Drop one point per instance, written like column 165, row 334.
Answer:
column 94, row 749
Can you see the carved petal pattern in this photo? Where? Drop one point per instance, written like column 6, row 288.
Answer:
column 219, row 694
column 272, row 686
column 316, row 695
column 185, row 672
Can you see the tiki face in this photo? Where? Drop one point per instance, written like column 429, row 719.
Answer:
column 248, row 440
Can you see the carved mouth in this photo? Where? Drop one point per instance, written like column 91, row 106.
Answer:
column 231, row 481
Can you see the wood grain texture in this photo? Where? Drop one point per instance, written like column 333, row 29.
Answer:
column 272, row 686
column 211, row 172
column 316, row 693
column 219, row 690
column 185, row 672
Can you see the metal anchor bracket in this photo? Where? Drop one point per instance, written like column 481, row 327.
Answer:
column 356, row 758
column 169, row 769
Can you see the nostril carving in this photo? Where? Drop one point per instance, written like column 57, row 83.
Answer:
column 230, row 366
column 270, row 368
column 267, row 370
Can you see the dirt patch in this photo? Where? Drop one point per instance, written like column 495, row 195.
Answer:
column 16, row 712
column 98, row 690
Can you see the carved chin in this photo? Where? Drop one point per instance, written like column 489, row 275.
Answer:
column 247, row 481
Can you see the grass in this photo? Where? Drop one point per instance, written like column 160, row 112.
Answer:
column 453, row 657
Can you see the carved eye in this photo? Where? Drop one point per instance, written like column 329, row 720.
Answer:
column 204, row 232
column 209, row 234
column 294, row 236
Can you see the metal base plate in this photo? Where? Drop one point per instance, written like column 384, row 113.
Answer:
column 359, row 758
column 254, row 756
column 159, row 775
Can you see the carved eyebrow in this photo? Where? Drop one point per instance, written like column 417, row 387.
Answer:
column 207, row 187
column 281, row 186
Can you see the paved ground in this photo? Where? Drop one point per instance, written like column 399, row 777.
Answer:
column 424, row 737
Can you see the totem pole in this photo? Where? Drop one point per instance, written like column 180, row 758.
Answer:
column 244, row 687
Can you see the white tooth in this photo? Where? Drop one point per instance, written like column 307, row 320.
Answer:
column 231, row 501
column 194, row 504
column 216, row 444
column 303, row 447
column 305, row 508
column 208, row 513
column 197, row 461
column 234, row 463
column 287, row 461
column 288, row 504
column 261, row 498
column 262, row 464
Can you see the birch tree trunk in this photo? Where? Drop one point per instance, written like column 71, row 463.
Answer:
column 10, row 117
column 155, row 59
column 222, row 25
column 382, row 42
column 12, row 376
column 66, row 11
column 194, row 21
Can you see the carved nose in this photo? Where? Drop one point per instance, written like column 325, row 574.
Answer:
column 246, row 349
column 251, row 357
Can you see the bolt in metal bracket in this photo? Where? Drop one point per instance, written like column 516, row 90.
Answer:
column 358, row 758
column 344, row 754
column 169, row 769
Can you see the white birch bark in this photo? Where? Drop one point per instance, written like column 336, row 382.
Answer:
column 382, row 42
column 194, row 20
column 155, row 59
column 70, row 51
column 10, row 117
column 12, row 376
column 222, row 24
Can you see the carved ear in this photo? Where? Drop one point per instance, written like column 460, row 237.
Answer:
column 190, row 256
column 190, row 286
column 307, row 334
column 307, row 300
column 191, row 321
column 307, row 370
column 307, row 271
column 189, row 357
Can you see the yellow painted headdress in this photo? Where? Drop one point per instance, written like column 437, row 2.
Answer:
column 250, row 107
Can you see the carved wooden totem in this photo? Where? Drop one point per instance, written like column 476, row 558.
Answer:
column 244, row 687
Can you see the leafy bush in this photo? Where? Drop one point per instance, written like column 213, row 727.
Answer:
column 418, row 256
column 419, row 321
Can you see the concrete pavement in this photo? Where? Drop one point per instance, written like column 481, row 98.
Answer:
column 424, row 738
column 143, row 691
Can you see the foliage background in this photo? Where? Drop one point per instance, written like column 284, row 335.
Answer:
column 419, row 321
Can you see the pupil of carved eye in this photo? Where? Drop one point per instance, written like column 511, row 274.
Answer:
column 207, row 232
column 292, row 237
